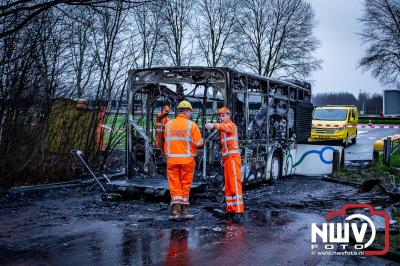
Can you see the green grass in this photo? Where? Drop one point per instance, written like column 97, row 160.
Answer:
column 394, row 240
column 378, row 171
column 117, row 136
column 119, row 120
column 381, row 168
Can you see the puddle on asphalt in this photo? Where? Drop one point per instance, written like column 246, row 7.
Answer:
column 125, row 243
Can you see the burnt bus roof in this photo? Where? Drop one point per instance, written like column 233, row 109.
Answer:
column 293, row 83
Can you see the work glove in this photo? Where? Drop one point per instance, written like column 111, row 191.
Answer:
column 209, row 125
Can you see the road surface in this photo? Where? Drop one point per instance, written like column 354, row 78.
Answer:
column 74, row 227
column 363, row 149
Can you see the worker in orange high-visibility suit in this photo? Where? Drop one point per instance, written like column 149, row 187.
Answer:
column 182, row 138
column 161, row 120
column 232, row 164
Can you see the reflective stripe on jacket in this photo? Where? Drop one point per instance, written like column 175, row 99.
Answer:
column 229, row 138
column 160, row 122
column 182, row 138
column 160, row 128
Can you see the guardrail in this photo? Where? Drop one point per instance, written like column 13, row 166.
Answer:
column 379, row 119
column 372, row 118
column 388, row 146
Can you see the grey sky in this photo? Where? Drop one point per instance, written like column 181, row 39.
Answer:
column 340, row 48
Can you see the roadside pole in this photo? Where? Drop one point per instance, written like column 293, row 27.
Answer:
column 375, row 157
column 387, row 149
column 336, row 164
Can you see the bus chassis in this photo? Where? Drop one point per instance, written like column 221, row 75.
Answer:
column 272, row 117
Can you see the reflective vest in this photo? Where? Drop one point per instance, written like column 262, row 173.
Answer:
column 229, row 138
column 160, row 128
column 182, row 138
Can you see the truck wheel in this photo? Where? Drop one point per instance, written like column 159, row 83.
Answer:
column 354, row 141
column 345, row 141
column 276, row 169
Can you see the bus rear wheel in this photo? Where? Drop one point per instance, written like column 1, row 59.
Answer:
column 276, row 169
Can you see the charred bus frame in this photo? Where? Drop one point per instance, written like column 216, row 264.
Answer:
column 272, row 117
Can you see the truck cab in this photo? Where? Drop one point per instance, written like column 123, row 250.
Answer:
column 335, row 123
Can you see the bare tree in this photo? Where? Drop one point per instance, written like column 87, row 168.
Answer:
column 39, row 63
column 113, row 57
column 30, row 71
column 277, row 37
column 81, row 65
column 175, row 33
column 15, row 15
column 214, row 29
column 148, row 19
column 335, row 98
column 381, row 34
column 83, row 49
column 374, row 104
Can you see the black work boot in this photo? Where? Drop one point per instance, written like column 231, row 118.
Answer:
column 229, row 216
column 185, row 214
column 238, row 218
column 175, row 212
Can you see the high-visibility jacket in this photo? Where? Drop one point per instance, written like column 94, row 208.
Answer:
column 229, row 138
column 182, row 138
column 160, row 128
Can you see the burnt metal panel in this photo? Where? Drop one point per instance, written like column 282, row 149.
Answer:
column 303, row 121
column 283, row 110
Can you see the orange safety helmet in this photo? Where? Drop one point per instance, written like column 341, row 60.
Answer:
column 223, row 110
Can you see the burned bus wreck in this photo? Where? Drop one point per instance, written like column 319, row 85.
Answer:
column 273, row 117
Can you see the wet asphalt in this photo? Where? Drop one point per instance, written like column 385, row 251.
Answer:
column 74, row 227
column 366, row 137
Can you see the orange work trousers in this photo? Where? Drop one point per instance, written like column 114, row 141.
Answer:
column 233, row 184
column 159, row 141
column 180, row 178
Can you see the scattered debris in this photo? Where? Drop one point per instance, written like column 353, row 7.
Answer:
column 358, row 164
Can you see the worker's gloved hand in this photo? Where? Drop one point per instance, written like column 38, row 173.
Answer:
column 209, row 126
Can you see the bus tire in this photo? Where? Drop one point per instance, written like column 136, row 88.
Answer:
column 276, row 169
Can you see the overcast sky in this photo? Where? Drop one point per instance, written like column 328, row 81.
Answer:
column 340, row 48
